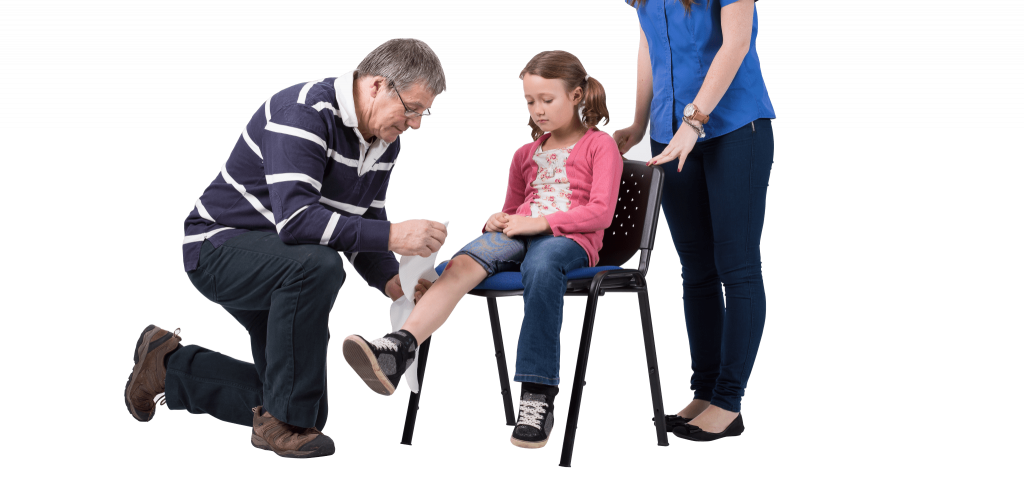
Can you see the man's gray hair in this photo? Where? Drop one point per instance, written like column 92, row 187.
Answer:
column 405, row 61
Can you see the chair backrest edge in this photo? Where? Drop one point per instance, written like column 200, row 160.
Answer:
column 651, row 219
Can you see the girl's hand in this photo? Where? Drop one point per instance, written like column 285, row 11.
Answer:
column 497, row 222
column 680, row 146
column 394, row 288
column 525, row 226
column 628, row 137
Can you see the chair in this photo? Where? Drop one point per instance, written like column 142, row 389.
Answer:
column 636, row 218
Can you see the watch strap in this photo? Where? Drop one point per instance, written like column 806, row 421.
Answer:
column 698, row 116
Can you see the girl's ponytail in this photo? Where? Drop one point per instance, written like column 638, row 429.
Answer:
column 594, row 108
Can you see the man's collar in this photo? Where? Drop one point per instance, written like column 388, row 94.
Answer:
column 347, row 107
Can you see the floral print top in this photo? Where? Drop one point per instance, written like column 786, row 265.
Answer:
column 552, row 184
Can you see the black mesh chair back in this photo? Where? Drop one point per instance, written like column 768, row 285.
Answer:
column 637, row 206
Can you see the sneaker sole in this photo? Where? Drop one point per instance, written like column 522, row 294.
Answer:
column 259, row 443
column 529, row 444
column 140, row 358
column 359, row 355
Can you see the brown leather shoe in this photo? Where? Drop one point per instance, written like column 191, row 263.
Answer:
column 147, row 378
column 287, row 440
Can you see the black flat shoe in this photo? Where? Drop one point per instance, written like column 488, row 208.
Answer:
column 673, row 421
column 694, row 433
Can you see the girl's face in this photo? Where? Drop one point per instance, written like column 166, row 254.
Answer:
column 551, row 107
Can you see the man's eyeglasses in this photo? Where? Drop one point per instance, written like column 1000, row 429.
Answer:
column 409, row 113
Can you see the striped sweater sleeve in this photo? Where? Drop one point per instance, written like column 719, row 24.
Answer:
column 294, row 148
column 375, row 267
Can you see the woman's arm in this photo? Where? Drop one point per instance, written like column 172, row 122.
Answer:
column 628, row 137
column 645, row 83
column 737, row 24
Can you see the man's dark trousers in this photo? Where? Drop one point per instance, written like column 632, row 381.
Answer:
column 283, row 296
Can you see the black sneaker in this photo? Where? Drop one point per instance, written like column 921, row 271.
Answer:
column 381, row 362
column 536, row 416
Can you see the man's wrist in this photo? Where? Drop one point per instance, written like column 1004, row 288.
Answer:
column 394, row 279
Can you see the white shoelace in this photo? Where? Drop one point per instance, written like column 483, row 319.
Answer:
column 385, row 343
column 531, row 413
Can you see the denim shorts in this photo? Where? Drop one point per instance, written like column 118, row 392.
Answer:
column 496, row 252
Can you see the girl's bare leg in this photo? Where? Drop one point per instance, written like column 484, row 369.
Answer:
column 434, row 307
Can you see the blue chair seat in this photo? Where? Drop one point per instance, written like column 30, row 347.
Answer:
column 513, row 280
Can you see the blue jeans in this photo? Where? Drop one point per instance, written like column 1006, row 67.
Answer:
column 715, row 212
column 544, row 261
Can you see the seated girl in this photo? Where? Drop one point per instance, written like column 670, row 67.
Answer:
column 562, row 189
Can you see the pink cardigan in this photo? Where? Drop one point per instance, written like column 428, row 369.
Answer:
column 594, row 169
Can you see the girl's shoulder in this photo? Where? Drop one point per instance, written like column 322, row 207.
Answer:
column 597, row 141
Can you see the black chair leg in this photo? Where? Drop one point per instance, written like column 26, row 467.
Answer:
column 414, row 398
column 652, row 368
column 581, row 372
column 499, row 353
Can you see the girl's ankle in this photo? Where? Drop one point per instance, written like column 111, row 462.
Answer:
column 537, row 388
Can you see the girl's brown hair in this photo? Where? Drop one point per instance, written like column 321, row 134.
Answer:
column 566, row 67
column 686, row 3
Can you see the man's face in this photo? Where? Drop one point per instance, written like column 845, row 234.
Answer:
column 387, row 117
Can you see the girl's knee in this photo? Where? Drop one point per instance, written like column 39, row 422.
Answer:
column 461, row 262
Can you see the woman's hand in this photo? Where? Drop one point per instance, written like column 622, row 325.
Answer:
column 628, row 137
column 680, row 146
column 526, row 226
column 497, row 222
column 394, row 288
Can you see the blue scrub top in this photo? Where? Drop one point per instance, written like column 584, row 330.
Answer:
column 682, row 46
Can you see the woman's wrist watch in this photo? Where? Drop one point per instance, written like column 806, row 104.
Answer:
column 692, row 113
column 695, row 119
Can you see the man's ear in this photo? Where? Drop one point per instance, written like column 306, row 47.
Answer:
column 377, row 86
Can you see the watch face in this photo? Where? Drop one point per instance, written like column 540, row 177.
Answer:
column 688, row 110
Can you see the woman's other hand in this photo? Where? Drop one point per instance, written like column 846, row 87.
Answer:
column 628, row 137
column 680, row 146
column 497, row 222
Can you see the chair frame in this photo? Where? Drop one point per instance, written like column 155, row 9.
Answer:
column 619, row 280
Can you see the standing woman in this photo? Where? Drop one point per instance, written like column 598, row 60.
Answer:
column 699, row 84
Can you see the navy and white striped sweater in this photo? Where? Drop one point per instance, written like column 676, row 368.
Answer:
column 293, row 171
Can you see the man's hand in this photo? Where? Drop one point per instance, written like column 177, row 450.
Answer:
column 497, row 222
column 526, row 226
column 417, row 237
column 394, row 288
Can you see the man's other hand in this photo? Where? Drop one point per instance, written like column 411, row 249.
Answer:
column 417, row 237
column 394, row 288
